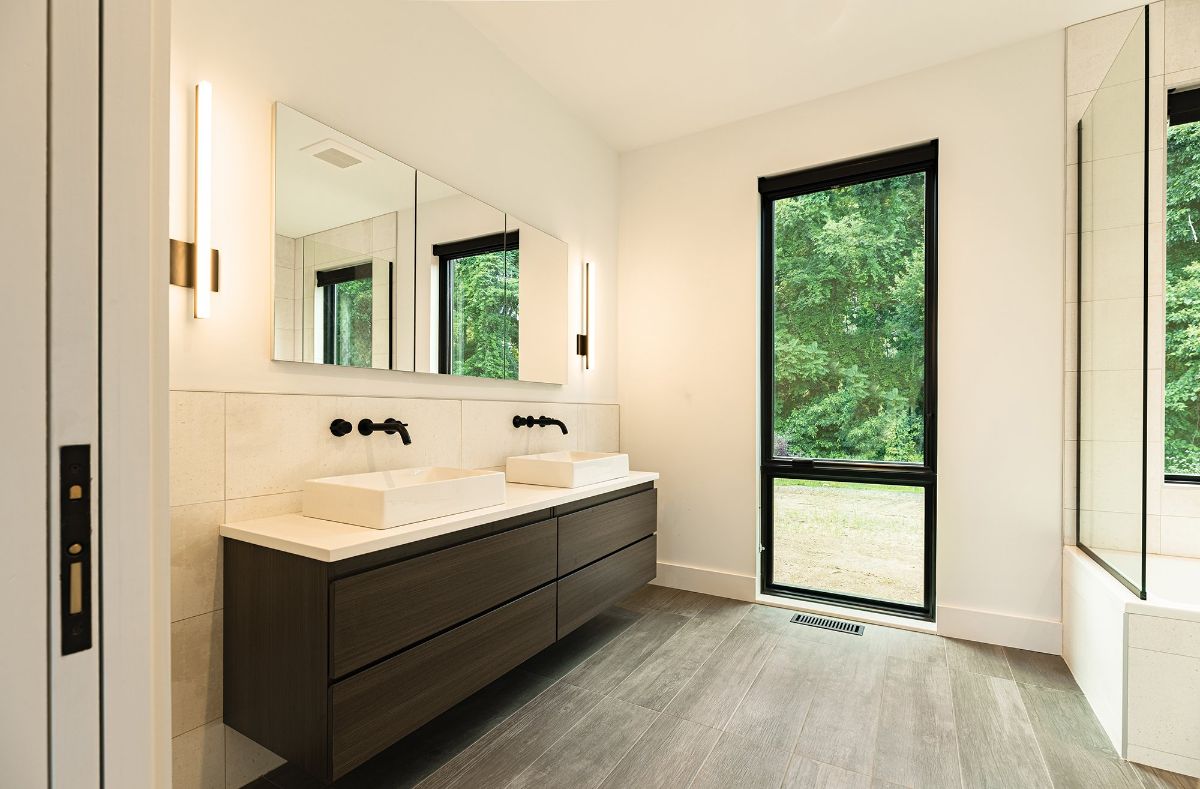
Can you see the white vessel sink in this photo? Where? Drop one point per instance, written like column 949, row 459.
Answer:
column 386, row 499
column 567, row 469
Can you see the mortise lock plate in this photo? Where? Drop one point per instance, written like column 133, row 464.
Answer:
column 75, row 540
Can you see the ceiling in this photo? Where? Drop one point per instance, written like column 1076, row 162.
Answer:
column 312, row 195
column 645, row 71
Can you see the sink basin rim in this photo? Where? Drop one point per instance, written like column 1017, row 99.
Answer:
column 566, row 468
column 399, row 497
column 407, row 478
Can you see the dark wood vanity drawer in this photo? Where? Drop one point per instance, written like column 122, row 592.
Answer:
column 589, row 591
column 379, row 612
column 373, row 709
column 587, row 535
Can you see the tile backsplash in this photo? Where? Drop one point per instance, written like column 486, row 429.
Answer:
column 238, row 456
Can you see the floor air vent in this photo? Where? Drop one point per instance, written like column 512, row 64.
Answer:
column 824, row 622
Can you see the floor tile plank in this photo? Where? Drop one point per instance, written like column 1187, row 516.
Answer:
column 557, row 659
column 917, row 744
column 914, row 645
column 650, row 598
column 616, row 660
column 806, row 773
column 773, row 710
column 1076, row 750
column 428, row 748
column 714, row 691
column 667, row 756
column 686, row 603
column 996, row 742
column 843, row 718
column 659, row 678
column 1038, row 668
column 737, row 761
column 587, row 752
column 978, row 658
column 505, row 751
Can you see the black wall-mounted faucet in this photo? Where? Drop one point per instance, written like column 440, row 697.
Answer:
column 389, row 426
column 340, row 427
column 541, row 421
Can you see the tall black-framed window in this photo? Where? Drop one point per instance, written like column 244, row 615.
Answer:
column 347, row 314
column 1181, row 401
column 849, row 382
column 478, row 315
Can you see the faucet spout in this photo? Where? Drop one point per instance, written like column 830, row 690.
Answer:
column 389, row 426
column 541, row 421
column 546, row 421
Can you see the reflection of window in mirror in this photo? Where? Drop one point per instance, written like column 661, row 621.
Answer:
column 1182, row 396
column 477, row 315
column 344, row 314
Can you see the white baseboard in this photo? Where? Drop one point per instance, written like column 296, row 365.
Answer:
column 1185, row 765
column 1036, row 635
column 706, row 581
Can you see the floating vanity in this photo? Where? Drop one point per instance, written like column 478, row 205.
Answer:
column 340, row 640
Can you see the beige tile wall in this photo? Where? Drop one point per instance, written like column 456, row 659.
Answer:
column 237, row 456
column 288, row 319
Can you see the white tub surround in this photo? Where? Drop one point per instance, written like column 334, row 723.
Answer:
column 1138, row 661
column 327, row 541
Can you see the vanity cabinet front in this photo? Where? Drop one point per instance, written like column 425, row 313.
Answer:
column 328, row 663
column 381, row 611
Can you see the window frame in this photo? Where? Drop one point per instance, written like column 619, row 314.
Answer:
column 1183, row 107
column 331, row 278
column 920, row 158
column 447, row 253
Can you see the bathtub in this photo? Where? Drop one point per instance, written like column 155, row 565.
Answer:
column 1138, row 661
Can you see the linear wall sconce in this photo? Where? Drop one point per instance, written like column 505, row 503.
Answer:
column 582, row 346
column 196, row 265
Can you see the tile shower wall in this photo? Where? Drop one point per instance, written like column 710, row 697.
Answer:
column 237, row 456
column 288, row 316
column 371, row 240
column 1173, row 511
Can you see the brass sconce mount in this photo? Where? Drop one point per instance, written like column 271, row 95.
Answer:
column 183, row 265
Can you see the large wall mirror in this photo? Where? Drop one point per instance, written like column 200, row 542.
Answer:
column 379, row 265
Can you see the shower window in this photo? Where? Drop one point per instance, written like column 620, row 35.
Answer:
column 1181, row 402
column 346, row 297
column 848, row 362
column 478, row 321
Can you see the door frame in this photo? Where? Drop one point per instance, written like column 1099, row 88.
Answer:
column 86, row 219
column 922, row 157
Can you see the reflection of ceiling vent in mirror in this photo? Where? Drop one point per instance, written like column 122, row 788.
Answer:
column 335, row 153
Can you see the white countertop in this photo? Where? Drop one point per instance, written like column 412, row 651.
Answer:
column 330, row 541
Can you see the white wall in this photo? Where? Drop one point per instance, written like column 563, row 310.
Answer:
column 688, row 310
column 417, row 82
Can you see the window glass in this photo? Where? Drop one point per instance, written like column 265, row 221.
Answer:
column 1182, row 396
column 849, row 301
column 483, row 317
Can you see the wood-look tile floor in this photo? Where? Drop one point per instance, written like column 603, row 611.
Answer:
column 675, row 689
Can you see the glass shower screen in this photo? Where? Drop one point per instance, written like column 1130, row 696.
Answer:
column 1113, row 318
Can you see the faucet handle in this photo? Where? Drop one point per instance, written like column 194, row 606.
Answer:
column 340, row 427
